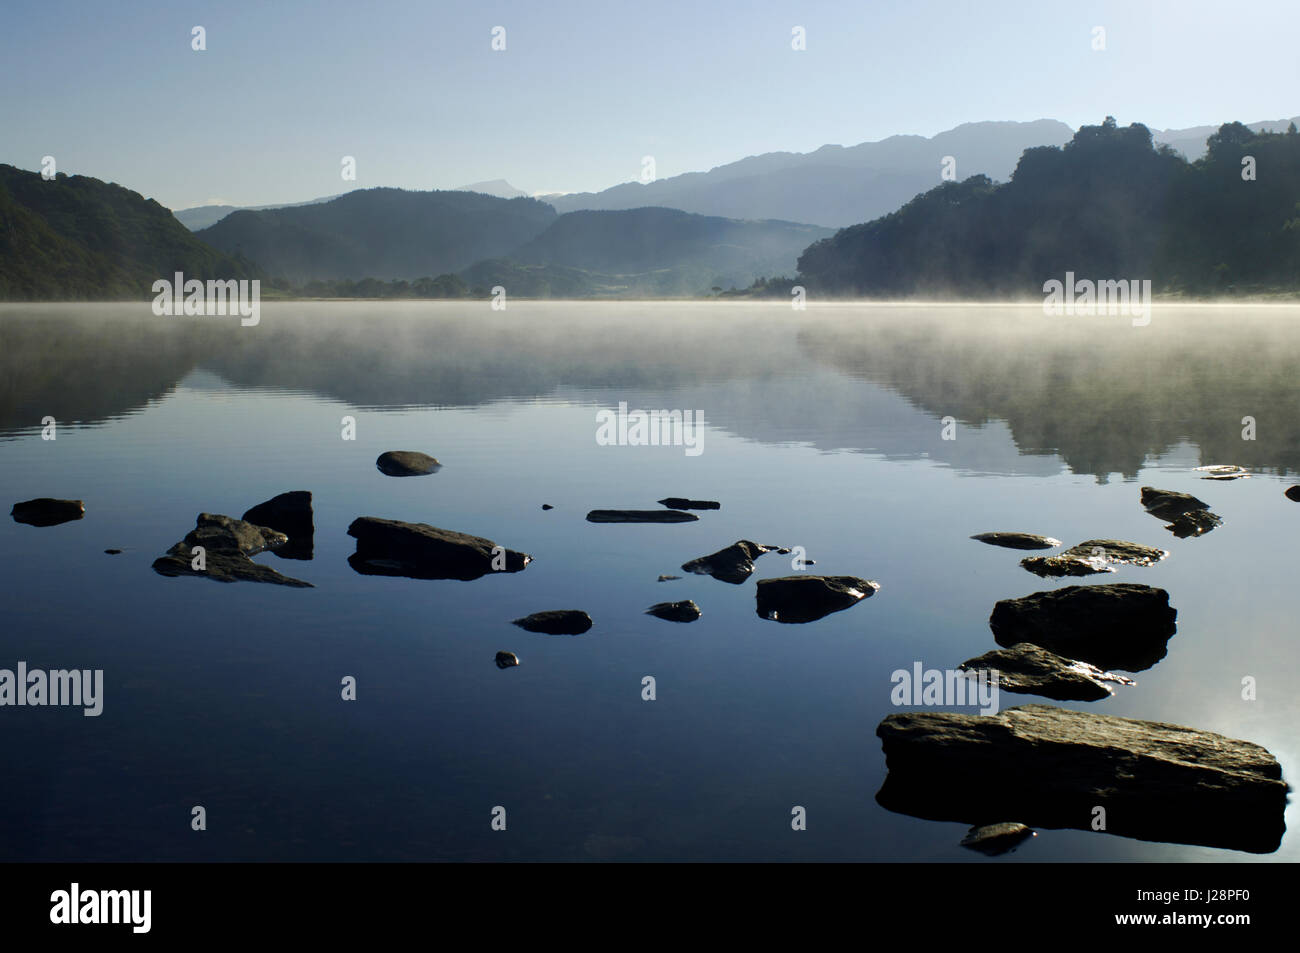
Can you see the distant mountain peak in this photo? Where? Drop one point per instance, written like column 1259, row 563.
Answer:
column 498, row 187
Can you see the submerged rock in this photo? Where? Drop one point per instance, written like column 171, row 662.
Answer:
column 1224, row 472
column 1030, row 669
column 420, row 551
column 733, row 564
column 227, row 545
column 45, row 511
column 401, row 463
column 291, row 514
column 1052, row 767
column 681, row 503
column 507, row 659
column 994, row 839
column 640, row 516
column 556, row 622
column 1193, row 523
column 797, row 599
column 1117, row 625
column 1018, row 540
column 684, row 611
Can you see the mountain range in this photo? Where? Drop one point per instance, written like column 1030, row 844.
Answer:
column 1132, row 202
column 833, row 186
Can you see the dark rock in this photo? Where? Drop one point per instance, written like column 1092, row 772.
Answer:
column 1064, row 565
column 1118, row 625
column 684, row 611
column 1293, row 493
column 507, row 659
column 1018, row 540
column 1032, row 670
column 1051, row 767
column 419, row 551
column 995, row 839
column 113, row 552
column 1193, row 523
column 402, row 463
column 640, row 516
column 808, row 598
column 291, row 514
column 556, row 622
column 227, row 543
column 547, row 506
column 45, row 511
column 668, row 578
column 1166, row 504
column 1185, row 514
column 680, row 503
column 734, row 564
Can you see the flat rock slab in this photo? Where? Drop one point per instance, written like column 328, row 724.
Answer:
column 556, row 622
column 1018, row 540
column 1064, row 565
column 420, row 551
column 1224, row 472
column 995, row 839
column 684, row 611
column 289, row 513
column 640, row 516
column 46, row 511
column 797, row 599
column 227, row 544
column 1030, row 669
column 1094, row 556
column 1118, row 552
column 402, row 463
column 1051, row 767
column 1118, row 625
column 681, row 503
column 733, row 564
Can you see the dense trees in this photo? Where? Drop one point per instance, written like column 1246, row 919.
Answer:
column 1107, row 205
column 443, row 286
column 77, row 238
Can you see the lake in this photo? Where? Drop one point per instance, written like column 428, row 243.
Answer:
column 823, row 429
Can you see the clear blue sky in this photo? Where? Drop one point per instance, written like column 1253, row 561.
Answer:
column 583, row 90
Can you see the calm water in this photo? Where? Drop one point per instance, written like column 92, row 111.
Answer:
column 823, row 430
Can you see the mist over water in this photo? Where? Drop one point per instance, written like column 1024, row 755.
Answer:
column 823, row 429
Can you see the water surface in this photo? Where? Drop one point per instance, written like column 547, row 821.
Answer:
column 824, row 429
